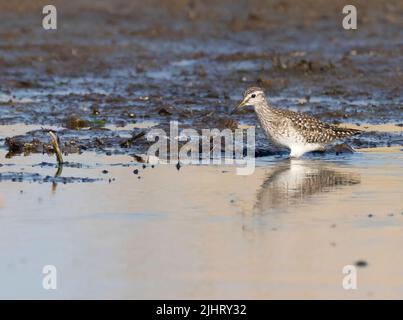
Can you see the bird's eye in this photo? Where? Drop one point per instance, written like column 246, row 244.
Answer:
column 253, row 95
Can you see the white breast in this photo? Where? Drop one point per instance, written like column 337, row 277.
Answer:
column 291, row 139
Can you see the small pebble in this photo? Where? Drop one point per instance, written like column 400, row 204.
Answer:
column 361, row 263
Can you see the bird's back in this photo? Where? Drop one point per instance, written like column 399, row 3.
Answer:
column 312, row 129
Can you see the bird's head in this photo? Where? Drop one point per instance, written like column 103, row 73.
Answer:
column 252, row 96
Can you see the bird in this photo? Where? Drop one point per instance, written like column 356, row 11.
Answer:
column 297, row 131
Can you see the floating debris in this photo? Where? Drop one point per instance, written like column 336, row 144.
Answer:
column 36, row 177
column 361, row 263
column 55, row 143
column 302, row 101
column 143, row 158
column 127, row 143
column 75, row 123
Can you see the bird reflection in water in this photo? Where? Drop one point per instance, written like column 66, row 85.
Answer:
column 293, row 181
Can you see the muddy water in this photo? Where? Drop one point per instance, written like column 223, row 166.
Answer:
column 202, row 231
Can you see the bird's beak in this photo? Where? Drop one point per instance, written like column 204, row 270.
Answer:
column 239, row 107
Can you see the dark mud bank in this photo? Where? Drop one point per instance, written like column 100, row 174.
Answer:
column 110, row 66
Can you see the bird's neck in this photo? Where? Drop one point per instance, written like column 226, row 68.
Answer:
column 266, row 117
column 263, row 109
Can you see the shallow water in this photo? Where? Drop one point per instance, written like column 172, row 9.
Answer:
column 202, row 231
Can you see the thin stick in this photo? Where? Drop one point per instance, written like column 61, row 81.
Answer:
column 55, row 143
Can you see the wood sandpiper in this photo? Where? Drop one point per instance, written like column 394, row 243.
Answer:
column 297, row 131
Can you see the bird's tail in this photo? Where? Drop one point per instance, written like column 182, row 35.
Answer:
column 341, row 132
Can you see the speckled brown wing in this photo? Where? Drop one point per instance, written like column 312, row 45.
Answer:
column 314, row 130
